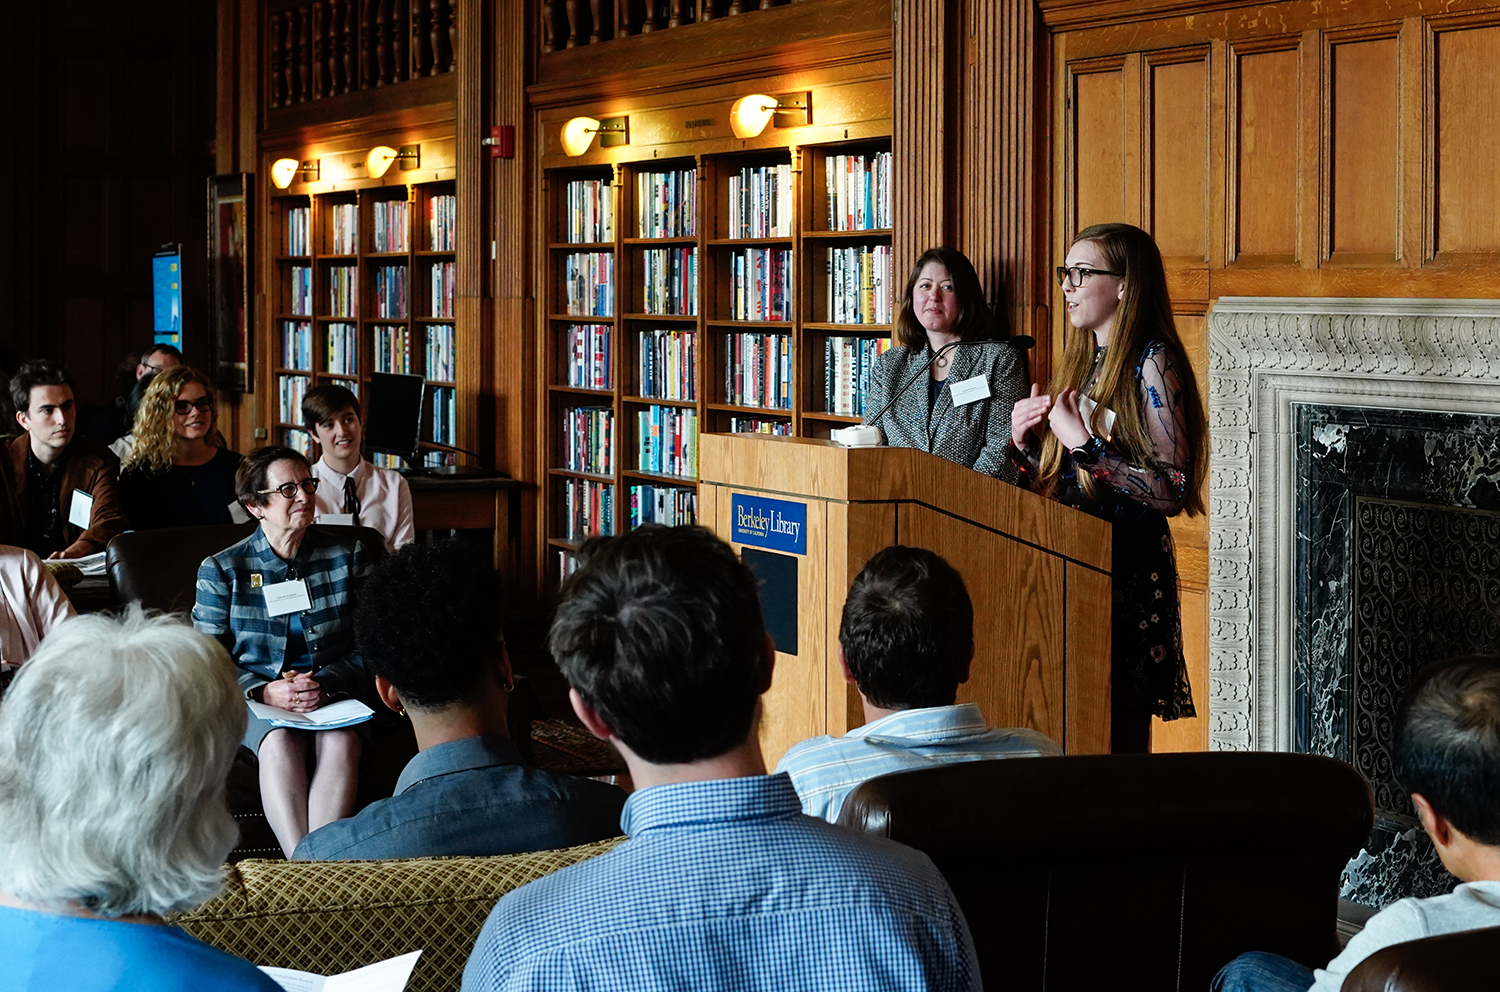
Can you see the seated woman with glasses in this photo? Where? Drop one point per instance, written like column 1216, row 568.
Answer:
column 177, row 473
column 282, row 602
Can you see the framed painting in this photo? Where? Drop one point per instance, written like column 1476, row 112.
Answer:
column 231, row 348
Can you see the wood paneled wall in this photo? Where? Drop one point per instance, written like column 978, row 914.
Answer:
column 1302, row 148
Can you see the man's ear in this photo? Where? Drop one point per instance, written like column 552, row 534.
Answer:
column 588, row 717
column 1436, row 825
column 387, row 693
column 23, row 420
column 963, row 673
column 770, row 665
column 844, row 664
column 504, row 675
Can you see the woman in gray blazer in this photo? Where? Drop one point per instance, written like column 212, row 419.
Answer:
column 944, row 335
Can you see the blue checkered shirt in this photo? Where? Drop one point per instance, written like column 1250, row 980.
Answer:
column 232, row 608
column 726, row 886
column 825, row 770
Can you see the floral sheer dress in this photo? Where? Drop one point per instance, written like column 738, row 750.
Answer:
column 1137, row 499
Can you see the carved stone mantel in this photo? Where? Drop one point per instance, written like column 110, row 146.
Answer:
column 1265, row 355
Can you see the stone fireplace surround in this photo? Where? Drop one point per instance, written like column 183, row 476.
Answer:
column 1269, row 357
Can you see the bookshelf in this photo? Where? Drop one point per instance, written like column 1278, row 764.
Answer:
column 742, row 291
column 365, row 282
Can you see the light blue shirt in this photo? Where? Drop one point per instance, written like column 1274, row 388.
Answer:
column 825, row 770
column 48, row 951
column 725, row 885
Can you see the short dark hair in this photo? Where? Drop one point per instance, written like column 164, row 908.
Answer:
column 908, row 629
column 161, row 349
column 1448, row 743
column 38, row 372
column 660, row 631
column 974, row 323
column 428, row 621
column 255, row 470
column 322, row 402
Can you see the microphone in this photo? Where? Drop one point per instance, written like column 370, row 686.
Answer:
column 875, row 420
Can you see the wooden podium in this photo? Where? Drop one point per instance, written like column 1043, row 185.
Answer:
column 812, row 512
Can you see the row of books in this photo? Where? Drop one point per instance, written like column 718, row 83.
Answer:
column 859, row 285
column 666, row 203
column 671, row 506
column 667, row 361
column 388, row 461
column 297, row 345
column 588, row 509
column 847, row 367
column 299, row 441
column 590, row 355
column 343, row 349
column 588, row 440
column 760, row 202
column 669, row 281
column 301, row 290
column 344, row 237
column 441, row 362
column 591, row 211
column 293, row 388
column 859, row 192
column 590, row 280
column 390, row 219
column 442, row 222
column 343, row 291
column 299, row 231
column 444, row 275
column 444, row 415
column 760, row 284
column 666, row 440
column 392, row 348
column 755, row 425
column 439, row 459
column 390, row 290
column 758, row 370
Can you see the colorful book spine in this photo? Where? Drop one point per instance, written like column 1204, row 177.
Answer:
column 671, row 506
column 343, row 291
column 301, row 291
column 760, row 202
column 590, row 206
column 859, row 285
column 293, row 388
column 590, row 279
column 343, row 349
column 297, row 345
column 345, row 232
column 590, row 355
column 755, row 425
column 298, row 231
column 588, row 440
column 670, row 281
column 439, row 360
column 667, row 441
column 859, row 192
column 387, row 461
column 444, row 415
column 439, row 459
column 444, row 275
column 760, row 284
column 588, row 509
column 299, row 441
column 389, row 223
column 392, row 348
column 666, row 204
column 390, row 290
column 442, row 219
column 668, row 363
column 758, row 370
column 847, row 367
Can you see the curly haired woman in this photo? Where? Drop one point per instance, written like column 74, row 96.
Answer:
column 178, row 473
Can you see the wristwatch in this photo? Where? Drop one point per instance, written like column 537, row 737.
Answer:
column 1088, row 453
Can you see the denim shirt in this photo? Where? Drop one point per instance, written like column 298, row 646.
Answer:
column 232, row 608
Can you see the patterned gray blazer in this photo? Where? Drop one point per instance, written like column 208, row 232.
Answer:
column 974, row 434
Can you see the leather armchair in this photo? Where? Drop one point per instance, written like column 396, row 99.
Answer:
column 1451, row 962
column 1131, row 871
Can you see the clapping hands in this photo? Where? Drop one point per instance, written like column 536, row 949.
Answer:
column 1060, row 413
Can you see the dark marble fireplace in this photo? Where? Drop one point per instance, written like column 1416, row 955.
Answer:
column 1354, row 533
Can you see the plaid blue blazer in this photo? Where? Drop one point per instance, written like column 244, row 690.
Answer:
column 232, row 608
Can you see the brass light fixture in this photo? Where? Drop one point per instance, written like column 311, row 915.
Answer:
column 378, row 162
column 284, row 170
column 578, row 133
column 750, row 114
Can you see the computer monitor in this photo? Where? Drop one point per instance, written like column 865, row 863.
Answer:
column 393, row 414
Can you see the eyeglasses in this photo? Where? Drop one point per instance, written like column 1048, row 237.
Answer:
column 1073, row 275
column 203, row 404
column 308, row 485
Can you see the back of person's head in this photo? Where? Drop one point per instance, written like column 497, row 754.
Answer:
column 115, row 741
column 1448, row 743
column 660, row 632
column 160, row 357
column 322, row 403
column 428, row 622
column 908, row 629
column 38, row 372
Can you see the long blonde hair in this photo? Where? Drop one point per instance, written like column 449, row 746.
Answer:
column 1144, row 314
column 155, row 440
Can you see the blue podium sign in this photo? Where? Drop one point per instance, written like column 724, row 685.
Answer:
column 776, row 524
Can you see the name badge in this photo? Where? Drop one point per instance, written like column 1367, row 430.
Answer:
column 82, row 510
column 237, row 513
column 970, row 390
column 286, row 597
column 337, row 519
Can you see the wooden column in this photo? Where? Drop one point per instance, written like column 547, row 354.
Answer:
column 920, row 142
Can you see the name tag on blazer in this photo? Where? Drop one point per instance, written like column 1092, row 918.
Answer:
column 970, row 390
column 82, row 510
column 286, row 597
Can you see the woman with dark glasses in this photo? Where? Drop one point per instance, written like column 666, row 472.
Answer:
column 282, row 602
column 178, row 473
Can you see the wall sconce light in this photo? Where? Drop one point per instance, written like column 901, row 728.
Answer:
column 378, row 162
column 579, row 133
column 750, row 114
column 284, row 170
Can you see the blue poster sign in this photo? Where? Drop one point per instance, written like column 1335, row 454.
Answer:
column 768, row 523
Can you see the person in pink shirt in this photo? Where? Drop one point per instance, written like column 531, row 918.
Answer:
column 354, row 491
column 31, row 604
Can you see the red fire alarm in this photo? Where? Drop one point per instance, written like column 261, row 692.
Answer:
column 502, row 141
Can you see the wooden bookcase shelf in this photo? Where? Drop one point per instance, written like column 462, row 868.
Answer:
column 365, row 282
column 745, row 259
